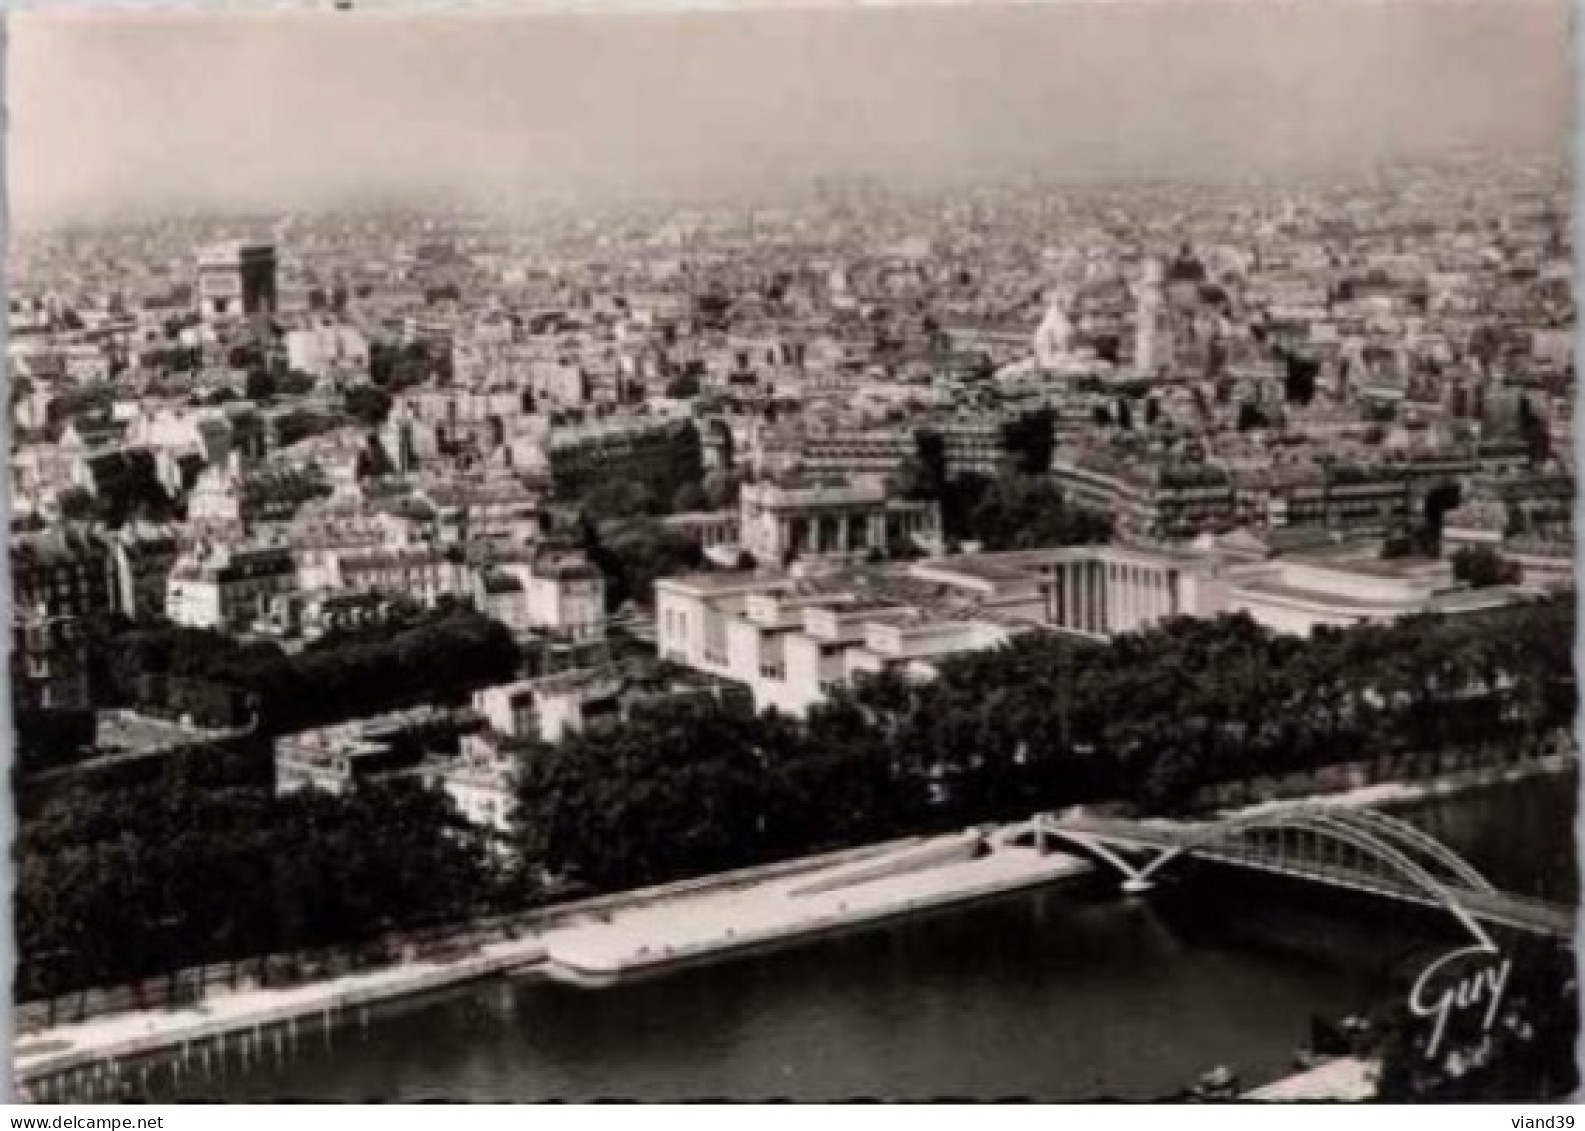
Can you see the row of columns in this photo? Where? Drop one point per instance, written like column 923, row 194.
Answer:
column 1140, row 596
column 1100, row 597
column 1077, row 590
column 843, row 533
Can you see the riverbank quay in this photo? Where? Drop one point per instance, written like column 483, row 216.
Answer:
column 1404, row 770
column 939, row 873
column 1385, row 795
column 83, row 1058
column 1346, row 1079
column 662, row 934
column 599, row 940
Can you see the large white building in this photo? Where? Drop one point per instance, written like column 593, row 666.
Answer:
column 325, row 351
column 548, row 708
column 556, row 591
column 791, row 637
column 1301, row 593
column 482, row 783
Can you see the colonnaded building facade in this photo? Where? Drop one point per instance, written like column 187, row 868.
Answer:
column 791, row 636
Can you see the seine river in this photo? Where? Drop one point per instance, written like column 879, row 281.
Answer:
column 1065, row 994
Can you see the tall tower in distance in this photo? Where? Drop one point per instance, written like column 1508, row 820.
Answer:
column 236, row 280
column 1053, row 343
column 1152, row 340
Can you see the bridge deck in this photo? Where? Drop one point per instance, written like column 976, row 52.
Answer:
column 1199, row 839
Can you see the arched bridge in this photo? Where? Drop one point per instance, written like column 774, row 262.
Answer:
column 1360, row 849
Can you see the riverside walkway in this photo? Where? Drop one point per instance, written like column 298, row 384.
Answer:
column 595, row 942
column 89, row 1059
column 935, row 873
column 632, row 933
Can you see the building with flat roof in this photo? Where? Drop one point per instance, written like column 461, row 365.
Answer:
column 1341, row 589
column 1148, row 499
column 328, row 351
column 482, row 784
column 969, row 444
column 548, row 708
column 791, row 637
column 337, row 758
column 1097, row 591
column 797, row 518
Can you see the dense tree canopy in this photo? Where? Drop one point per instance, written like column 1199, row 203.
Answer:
column 634, row 554
column 1017, row 512
column 1481, row 567
column 368, row 405
column 120, row 883
column 1299, row 378
column 128, row 488
column 117, row 885
column 49, row 738
column 683, row 791
column 395, row 367
column 1147, row 720
column 439, row 659
column 1030, row 440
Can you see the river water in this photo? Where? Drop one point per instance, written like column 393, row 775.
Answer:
column 1074, row 993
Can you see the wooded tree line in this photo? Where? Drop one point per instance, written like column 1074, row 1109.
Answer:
column 633, row 554
column 1015, row 511
column 438, row 659
column 117, row 883
column 127, row 488
column 1146, row 720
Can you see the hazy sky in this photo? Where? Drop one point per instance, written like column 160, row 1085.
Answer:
column 295, row 111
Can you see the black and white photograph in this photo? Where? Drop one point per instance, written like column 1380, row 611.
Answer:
column 792, row 552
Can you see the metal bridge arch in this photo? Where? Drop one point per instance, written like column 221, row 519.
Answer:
column 1413, row 838
column 1376, row 836
column 1415, row 845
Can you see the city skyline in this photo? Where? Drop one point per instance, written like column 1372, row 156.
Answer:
column 497, row 109
column 1018, row 551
